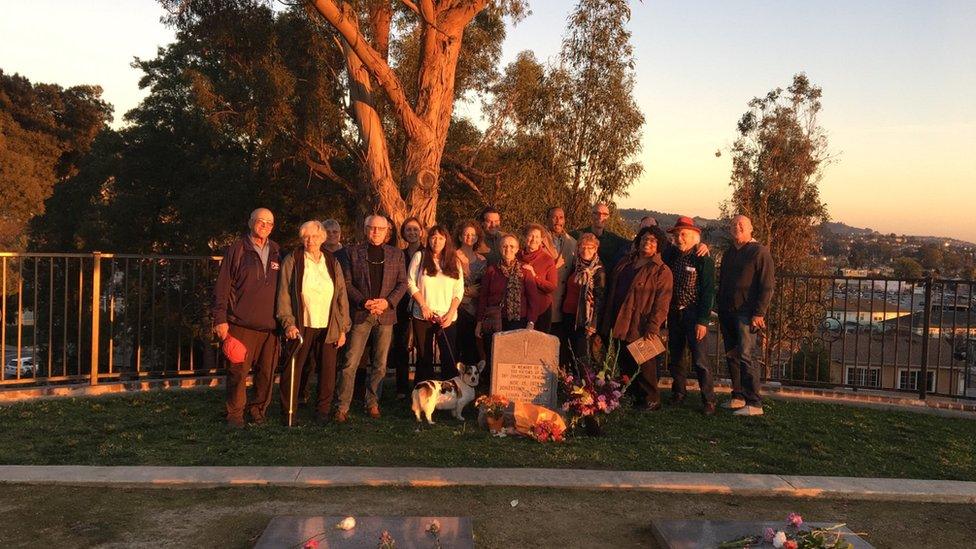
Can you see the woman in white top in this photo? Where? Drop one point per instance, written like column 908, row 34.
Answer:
column 436, row 285
column 312, row 301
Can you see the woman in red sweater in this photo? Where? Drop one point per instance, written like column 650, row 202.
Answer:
column 540, row 267
column 509, row 298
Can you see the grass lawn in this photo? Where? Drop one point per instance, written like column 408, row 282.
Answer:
column 185, row 427
column 45, row 516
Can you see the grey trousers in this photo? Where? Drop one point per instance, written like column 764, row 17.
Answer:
column 380, row 336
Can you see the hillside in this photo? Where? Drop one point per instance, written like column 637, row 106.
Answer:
column 634, row 215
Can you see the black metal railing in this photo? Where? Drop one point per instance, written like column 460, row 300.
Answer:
column 96, row 317
column 908, row 335
column 88, row 318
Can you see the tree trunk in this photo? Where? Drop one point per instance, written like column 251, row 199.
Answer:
column 425, row 123
column 386, row 195
column 435, row 105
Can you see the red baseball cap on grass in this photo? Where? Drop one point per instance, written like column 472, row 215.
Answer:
column 234, row 350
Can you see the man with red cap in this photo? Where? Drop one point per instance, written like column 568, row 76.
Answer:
column 690, row 311
column 244, row 319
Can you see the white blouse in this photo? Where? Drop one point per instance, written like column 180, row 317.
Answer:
column 317, row 292
column 438, row 290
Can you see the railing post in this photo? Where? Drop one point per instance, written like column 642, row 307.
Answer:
column 95, row 313
column 923, row 375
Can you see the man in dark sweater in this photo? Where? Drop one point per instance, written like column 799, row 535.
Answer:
column 376, row 279
column 613, row 247
column 244, row 307
column 690, row 311
column 745, row 288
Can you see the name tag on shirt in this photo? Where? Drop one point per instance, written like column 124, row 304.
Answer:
column 690, row 269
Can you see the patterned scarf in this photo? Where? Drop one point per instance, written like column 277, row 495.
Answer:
column 583, row 275
column 512, row 304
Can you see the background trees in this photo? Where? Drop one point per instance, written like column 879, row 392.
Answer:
column 255, row 104
column 777, row 163
column 45, row 130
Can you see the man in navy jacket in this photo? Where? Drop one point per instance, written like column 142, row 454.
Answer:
column 244, row 307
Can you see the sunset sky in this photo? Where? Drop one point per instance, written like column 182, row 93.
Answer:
column 899, row 81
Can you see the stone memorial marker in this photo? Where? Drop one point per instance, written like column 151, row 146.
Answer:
column 407, row 532
column 709, row 534
column 525, row 366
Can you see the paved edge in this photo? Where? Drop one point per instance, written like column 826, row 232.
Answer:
column 794, row 486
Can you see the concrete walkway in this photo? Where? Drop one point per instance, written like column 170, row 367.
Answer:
column 932, row 491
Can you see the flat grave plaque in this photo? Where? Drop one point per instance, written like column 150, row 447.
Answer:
column 408, row 532
column 709, row 534
column 525, row 367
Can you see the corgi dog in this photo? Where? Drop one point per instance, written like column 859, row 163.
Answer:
column 453, row 394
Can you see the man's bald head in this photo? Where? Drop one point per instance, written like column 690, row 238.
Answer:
column 261, row 222
column 741, row 229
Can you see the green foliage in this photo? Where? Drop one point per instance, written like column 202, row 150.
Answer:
column 565, row 134
column 930, row 256
column 244, row 110
column 44, row 131
column 906, row 267
column 777, row 163
column 248, row 107
column 597, row 128
column 811, row 363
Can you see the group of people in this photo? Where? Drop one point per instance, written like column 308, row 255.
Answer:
column 452, row 291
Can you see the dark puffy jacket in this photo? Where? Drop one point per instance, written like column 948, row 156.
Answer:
column 246, row 291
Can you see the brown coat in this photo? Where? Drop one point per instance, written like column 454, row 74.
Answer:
column 645, row 308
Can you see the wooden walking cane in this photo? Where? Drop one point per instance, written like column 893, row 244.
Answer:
column 291, row 380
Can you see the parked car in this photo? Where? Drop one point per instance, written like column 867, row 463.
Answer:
column 27, row 367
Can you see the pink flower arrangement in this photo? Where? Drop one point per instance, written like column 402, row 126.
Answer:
column 548, row 431
column 792, row 537
column 594, row 392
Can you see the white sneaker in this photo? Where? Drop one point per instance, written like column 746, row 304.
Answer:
column 734, row 404
column 749, row 411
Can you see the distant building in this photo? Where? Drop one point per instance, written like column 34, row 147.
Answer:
column 863, row 312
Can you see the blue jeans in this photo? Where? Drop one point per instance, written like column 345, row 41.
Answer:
column 741, row 344
column 370, row 330
column 681, row 335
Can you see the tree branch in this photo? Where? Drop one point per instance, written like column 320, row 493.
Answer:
column 344, row 21
column 413, row 7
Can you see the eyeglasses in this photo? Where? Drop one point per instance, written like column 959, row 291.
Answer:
column 375, row 229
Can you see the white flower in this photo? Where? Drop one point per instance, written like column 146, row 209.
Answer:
column 779, row 539
column 347, row 523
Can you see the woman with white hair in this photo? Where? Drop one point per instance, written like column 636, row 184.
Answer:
column 312, row 302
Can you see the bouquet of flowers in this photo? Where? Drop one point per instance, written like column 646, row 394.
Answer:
column 793, row 537
column 493, row 406
column 594, row 393
column 546, row 430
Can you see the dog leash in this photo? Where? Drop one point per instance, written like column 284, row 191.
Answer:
column 438, row 329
